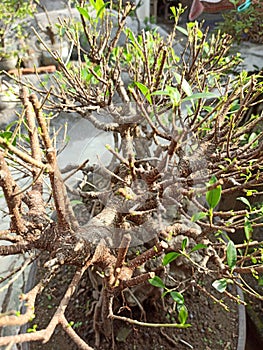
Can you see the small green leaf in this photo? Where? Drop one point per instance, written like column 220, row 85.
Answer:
column 134, row 42
column 75, row 202
column 245, row 201
column 156, row 282
column 172, row 92
column 260, row 281
column 183, row 314
column 250, row 192
column 252, row 137
column 83, row 12
column 100, row 12
column 184, row 243
column 213, row 196
column 231, row 254
column 181, row 29
column 254, row 259
column 7, row 135
column 145, row 91
column 177, row 297
column 197, row 247
column 198, row 216
column 248, row 229
column 199, row 95
column 33, row 329
column 169, row 257
column 175, row 96
column 185, row 86
column 220, row 285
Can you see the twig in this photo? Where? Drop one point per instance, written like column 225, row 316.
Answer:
column 150, row 253
column 144, row 324
column 17, row 272
column 122, row 251
column 66, row 217
column 220, row 302
column 12, row 320
column 45, row 334
column 10, row 187
column 73, row 335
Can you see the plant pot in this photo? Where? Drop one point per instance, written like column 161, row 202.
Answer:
column 7, row 63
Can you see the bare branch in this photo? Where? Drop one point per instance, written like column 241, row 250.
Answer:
column 10, row 188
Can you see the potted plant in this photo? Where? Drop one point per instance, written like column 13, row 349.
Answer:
column 157, row 236
column 12, row 12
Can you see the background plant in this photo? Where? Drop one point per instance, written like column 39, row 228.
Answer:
column 178, row 121
column 245, row 25
column 12, row 12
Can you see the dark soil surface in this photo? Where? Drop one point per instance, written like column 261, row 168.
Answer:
column 212, row 327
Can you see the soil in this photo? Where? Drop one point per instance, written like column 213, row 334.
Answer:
column 212, row 327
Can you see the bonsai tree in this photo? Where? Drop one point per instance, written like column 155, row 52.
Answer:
column 183, row 144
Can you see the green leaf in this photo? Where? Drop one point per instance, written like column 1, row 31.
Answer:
column 156, row 282
column 197, row 247
column 145, row 91
column 83, row 12
column 250, row 192
column 181, row 29
column 185, row 86
column 183, row 314
column 245, row 201
column 199, row 95
column 93, row 3
column 252, row 137
column 173, row 94
column 184, row 243
column 134, row 42
column 198, row 216
column 169, row 257
column 7, row 135
column 213, row 196
column 248, row 229
column 100, row 8
column 220, row 285
column 231, row 254
column 75, row 202
column 177, row 297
